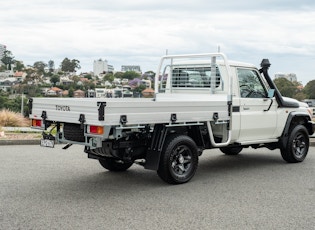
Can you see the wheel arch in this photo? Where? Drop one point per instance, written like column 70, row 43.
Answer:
column 161, row 133
column 294, row 119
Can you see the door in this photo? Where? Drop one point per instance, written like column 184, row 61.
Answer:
column 258, row 115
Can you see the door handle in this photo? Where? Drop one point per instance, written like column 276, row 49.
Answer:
column 245, row 108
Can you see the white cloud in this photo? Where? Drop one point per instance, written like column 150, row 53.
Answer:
column 140, row 31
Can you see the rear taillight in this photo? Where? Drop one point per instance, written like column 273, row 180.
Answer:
column 96, row 129
column 36, row 123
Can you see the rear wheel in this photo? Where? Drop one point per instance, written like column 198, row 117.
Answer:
column 231, row 150
column 115, row 165
column 297, row 146
column 179, row 159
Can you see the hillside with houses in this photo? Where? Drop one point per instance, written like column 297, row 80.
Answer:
column 61, row 84
column 19, row 82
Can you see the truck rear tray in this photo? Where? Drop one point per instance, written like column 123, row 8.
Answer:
column 135, row 110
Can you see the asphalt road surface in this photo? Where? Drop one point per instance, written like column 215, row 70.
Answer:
column 43, row 188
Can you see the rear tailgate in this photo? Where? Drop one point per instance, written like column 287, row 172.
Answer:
column 65, row 109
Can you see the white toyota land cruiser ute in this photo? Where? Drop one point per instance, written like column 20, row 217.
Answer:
column 202, row 101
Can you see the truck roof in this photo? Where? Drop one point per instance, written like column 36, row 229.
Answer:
column 219, row 62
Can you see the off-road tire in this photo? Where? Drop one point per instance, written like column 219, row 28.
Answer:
column 115, row 165
column 231, row 151
column 297, row 145
column 179, row 159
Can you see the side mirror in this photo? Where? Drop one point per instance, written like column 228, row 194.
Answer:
column 271, row 93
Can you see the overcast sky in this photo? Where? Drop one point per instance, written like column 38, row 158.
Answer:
column 138, row 32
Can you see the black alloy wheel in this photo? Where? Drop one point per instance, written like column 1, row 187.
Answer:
column 179, row 159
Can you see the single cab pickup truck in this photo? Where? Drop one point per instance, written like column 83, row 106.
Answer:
column 201, row 101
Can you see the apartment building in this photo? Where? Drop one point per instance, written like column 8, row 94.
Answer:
column 101, row 66
column 135, row 68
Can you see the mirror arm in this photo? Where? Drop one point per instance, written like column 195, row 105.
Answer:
column 265, row 110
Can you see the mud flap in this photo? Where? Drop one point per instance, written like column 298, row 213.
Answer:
column 152, row 160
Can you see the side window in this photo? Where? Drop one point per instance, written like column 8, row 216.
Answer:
column 250, row 84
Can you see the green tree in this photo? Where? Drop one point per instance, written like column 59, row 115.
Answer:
column 51, row 66
column 3, row 99
column 19, row 66
column 70, row 66
column 88, row 85
column 140, row 88
column 300, row 96
column 119, row 75
column 109, row 77
column 54, row 79
column 286, row 87
column 2, row 67
column 71, row 92
column 7, row 59
column 40, row 67
column 75, row 79
column 131, row 75
column 309, row 89
column 11, row 104
column 88, row 76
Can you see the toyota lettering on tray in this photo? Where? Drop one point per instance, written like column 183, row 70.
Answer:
column 62, row 108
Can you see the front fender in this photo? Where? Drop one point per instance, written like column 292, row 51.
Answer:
column 296, row 118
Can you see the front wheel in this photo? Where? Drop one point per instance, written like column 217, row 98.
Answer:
column 297, row 146
column 179, row 159
column 115, row 165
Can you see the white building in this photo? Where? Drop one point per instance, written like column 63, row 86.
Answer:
column 290, row 76
column 135, row 68
column 100, row 92
column 100, row 66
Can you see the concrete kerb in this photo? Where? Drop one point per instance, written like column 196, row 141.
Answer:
column 20, row 142
column 35, row 141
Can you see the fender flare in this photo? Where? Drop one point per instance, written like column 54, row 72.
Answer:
column 307, row 123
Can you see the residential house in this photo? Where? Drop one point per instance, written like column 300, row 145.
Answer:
column 66, row 81
column 149, row 92
column 54, row 91
column 20, row 76
column 8, row 83
column 79, row 93
column 5, row 74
